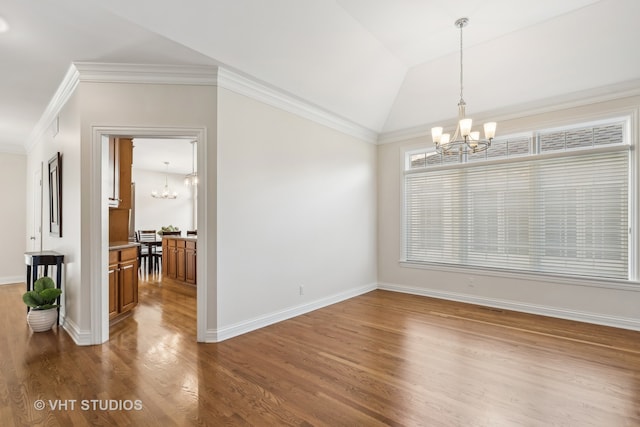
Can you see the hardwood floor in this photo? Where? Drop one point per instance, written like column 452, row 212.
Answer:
column 379, row 359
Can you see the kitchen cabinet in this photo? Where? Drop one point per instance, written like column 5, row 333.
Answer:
column 119, row 169
column 123, row 280
column 190, row 261
column 179, row 258
column 119, row 187
column 113, row 284
column 114, row 173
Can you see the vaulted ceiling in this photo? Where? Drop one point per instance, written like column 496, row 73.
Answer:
column 385, row 65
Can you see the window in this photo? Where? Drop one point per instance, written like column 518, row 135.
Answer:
column 556, row 202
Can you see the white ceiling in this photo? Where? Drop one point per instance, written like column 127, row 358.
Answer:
column 152, row 153
column 385, row 65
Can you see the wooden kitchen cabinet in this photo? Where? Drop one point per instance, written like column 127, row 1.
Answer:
column 190, row 261
column 120, row 162
column 113, row 284
column 128, row 285
column 123, row 281
column 179, row 258
column 114, row 173
column 172, row 256
column 181, row 270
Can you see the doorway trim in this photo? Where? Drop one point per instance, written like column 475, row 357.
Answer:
column 99, row 222
column 36, row 201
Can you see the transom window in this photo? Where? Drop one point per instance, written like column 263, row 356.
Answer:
column 552, row 201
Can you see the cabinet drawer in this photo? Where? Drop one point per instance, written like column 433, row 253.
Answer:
column 128, row 254
column 191, row 245
column 180, row 243
column 113, row 257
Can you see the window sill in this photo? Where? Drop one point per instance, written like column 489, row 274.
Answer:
column 626, row 285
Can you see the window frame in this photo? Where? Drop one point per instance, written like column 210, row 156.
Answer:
column 629, row 122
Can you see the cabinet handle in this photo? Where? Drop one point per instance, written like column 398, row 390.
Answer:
column 126, row 267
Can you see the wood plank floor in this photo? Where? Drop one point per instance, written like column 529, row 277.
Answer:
column 379, row 359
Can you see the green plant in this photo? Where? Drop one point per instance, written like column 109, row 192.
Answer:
column 44, row 294
column 167, row 228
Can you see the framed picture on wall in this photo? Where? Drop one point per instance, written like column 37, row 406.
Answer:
column 55, row 195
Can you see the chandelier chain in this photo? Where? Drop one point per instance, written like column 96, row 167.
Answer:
column 461, row 64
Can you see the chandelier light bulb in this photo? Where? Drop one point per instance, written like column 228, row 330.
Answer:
column 465, row 127
column 490, row 130
column 436, row 133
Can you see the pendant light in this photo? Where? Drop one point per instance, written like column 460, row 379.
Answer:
column 464, row 140
column 166, row 192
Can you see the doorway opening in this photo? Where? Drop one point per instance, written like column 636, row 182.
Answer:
column 100, row 256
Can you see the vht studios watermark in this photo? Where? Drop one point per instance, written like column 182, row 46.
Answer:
column 88, row 405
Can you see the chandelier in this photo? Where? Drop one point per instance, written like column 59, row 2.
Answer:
column 191, row 180
column 166, row 193
column 464, row 140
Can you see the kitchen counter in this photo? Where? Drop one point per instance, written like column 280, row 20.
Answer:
column 114, row 246
column 186, row 239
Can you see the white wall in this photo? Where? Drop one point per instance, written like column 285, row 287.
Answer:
column 616, row 304
column 152, row 213
column 170, row 106
column 13, row 175
column 296, row 206
column 67, row 142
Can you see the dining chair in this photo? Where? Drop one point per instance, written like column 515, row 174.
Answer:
column 148, row 252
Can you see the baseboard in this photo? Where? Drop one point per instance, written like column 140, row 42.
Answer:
column 275, row 317
column 580, row 316
column 77, row 335
column 12, row 280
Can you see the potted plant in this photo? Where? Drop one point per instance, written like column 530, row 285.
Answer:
column 43, row 302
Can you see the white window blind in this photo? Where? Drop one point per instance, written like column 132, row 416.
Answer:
column 564, row 214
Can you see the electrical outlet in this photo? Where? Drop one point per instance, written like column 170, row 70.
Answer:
column 301, row 289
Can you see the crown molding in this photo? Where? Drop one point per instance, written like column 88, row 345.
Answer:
column 571, row 100
column 117, row 73
column 200, row 75
column 60, row 97
column 237, row 83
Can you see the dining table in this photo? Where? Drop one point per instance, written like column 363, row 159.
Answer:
column 152, row 252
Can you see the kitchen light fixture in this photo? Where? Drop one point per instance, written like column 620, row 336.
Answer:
column 191, row 180
column 166, row 193
column 464, row 140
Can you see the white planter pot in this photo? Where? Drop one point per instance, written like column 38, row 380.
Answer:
column 42, row 320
